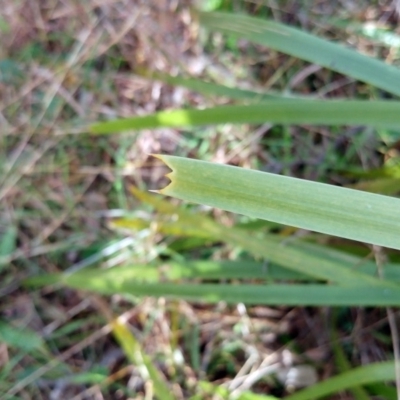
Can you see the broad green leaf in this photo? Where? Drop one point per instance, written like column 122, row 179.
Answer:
column 307, row 47
column 332, row 210
column 269, row 294
column 378, row 114
column 378, row 372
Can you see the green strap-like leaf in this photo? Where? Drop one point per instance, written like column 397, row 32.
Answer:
column 337, row 211
column 378, row 114
column 215, row 89
column 306, row 47
column 269, row 294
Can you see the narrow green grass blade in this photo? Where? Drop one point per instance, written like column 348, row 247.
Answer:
column 214, row 89
column 185, row 226
column 305, row 259
column 378, row 114
column 391, row 271
column 383, row 391
column 270, row 294
column 206, row 270
column 387, row 186
column 378, row 372
column 332, row 210
column 171, row 271
column 140, row 359
column 253, row 396
column 306, row 47
column 302, row 260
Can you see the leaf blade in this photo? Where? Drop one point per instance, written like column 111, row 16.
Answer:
column 378, row 114
column 332, row 210
column 270, row 294
column 307, row 47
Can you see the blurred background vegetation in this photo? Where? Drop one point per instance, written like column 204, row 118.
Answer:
column 67, row 203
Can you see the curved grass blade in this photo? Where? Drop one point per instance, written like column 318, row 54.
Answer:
column 269, row 294
column 378, row 372
column 378, row 114
column 215, row 89
column 307, row 47
column 332, row 210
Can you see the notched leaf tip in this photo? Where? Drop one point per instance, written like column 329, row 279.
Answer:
column 170, row 175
